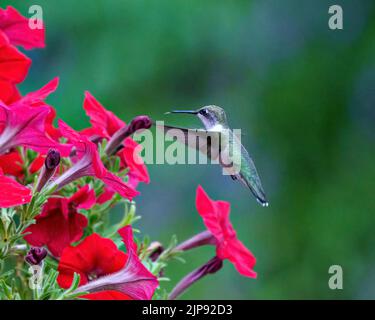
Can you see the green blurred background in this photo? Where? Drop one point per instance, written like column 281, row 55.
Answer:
column 303, row 94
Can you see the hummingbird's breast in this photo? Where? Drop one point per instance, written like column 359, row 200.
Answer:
column 216, row 127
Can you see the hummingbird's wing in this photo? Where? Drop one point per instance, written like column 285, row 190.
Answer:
column 207, row 142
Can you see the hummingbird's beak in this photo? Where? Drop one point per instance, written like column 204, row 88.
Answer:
column 183, row 111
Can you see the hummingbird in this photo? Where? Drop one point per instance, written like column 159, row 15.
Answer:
column 215, row 123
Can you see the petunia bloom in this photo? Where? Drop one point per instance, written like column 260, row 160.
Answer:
column 94, row 257
column 16, row 28
column 89, row 164
column 130, row 158
column 105, row 125
column 36, row 99
column 102, row 120
column 220, row 233
column 11, row 162
column 215, row 215
column 14, row 68
column 13, row 194
column 22, row 125
column 60, row 224
column 105, row 271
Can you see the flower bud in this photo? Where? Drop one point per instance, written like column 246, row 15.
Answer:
column 36, row 255
column 210, row 267
column 156, row 249
column 52, row 159
column 138, row 123
column 201, row 239
column 50, row 165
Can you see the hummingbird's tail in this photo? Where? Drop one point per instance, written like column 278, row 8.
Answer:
column 256, row 190
column 260, row 196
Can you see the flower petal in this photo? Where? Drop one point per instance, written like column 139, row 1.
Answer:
column 14, row 66
column 56, row 227
column 106, row 295
column 16, row 194
column 210, row 212
column 38, row 96
column 90, row 164
column 25, row 126
column 100, row 118
column 84, row 198
column 114, row 183
column 11, row 164
column 17, row 29
column 129, row 156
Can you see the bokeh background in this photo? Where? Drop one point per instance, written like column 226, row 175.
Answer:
column 303, row 94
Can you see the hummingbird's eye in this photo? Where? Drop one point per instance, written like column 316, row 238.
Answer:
column 203, row 112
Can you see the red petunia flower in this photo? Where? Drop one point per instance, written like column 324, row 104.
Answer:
column 101, row 119
column 60, row 224
column 104, row 125
column 22, row 125
column 105, row 271
column 215, row 216
column 13, row 194
column 11, row 162
column 89, row 164
column 130, row 158
column 13, row 70
column 36, row 99
column 16, row 28
column 94, row 257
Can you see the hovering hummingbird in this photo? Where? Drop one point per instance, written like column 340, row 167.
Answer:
column 215, row 122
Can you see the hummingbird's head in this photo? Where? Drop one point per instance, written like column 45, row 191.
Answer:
column 212, row 116
column 209, row 115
